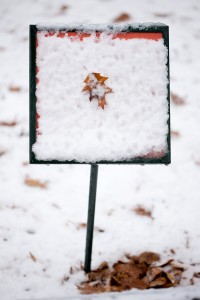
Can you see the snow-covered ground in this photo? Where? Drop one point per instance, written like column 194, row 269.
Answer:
column 46, row 222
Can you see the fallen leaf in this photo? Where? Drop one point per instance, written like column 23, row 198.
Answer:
column 196, row 275
column 177, row 99
column 32, row 257
column 88, row 288
column 84, row 225
column 135, row 271
column 35, row 183
column 122, row 18
column 95, row 86
column 63, row 9
column 153, row 272
column 141, row 211
column 2, row 152
column 158, row 282
column 64, row 279
column 149, row 257
column 166, row 263
column 15, row 88
column 8, row 124
column 175, row 133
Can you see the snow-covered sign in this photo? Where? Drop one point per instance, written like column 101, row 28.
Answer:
column 99, row 94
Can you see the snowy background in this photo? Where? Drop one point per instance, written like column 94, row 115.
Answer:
column 42, row 208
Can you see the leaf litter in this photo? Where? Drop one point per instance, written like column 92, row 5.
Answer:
column 140, row 272
column 35, row 183
column 141, row 211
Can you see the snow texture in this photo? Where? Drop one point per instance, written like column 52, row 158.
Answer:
column 88, row 28
column 45, row 221
column 134, row 121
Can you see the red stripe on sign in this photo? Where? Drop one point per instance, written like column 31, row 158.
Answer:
column 122, row 35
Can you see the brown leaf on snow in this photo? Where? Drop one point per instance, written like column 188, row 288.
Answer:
column 149, row 257
column 63, row 9
column 167, row 263
column 15, row 88
column 8, row 124
column 35, row 183
column 175, row 133
column 196, row 275
column 152, row 273
column 160, row 281
column 2, row 152
column 172, row 251
column 96, row 88
column 135, row 271
column 64, row 279
column 88, row 288
column 84, row 225
column 177, row 99
column 34, row 259
column 141, row 211
column 123, row 17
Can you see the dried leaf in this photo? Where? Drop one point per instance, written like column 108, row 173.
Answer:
column 174, row 276
column 8, row 124
column 177, row 99
column 196, row 275
column 2, row 152
column 141, row 211
column 84, row 225
column 133, row 270
column 63, row 8
column 124, row 281
column 103, row 265
column 168, row 262
column 87, row 288
column 152, row 273
column 15, row 88
column 102, row 102
column 148, row 257
column 64, row 279
column 122, row 18
column 35, row 183
column 160, row 281
column 95, row 86
column 32, row 257
column 175, row 133
column 178, row 265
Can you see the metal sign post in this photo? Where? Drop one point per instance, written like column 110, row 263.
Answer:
column 90, row 219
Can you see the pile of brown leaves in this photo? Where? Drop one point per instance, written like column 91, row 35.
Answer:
column 141, row 272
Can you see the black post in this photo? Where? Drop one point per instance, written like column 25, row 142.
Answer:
column 90, row 220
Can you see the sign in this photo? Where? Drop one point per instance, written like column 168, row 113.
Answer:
column 99, row 94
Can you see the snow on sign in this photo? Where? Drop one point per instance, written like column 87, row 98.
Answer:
column 99, row 94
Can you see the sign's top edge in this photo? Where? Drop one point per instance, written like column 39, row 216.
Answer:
column 112, row 28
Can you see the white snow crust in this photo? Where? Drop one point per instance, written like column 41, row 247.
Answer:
column 134, row 121
column 88, row 28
